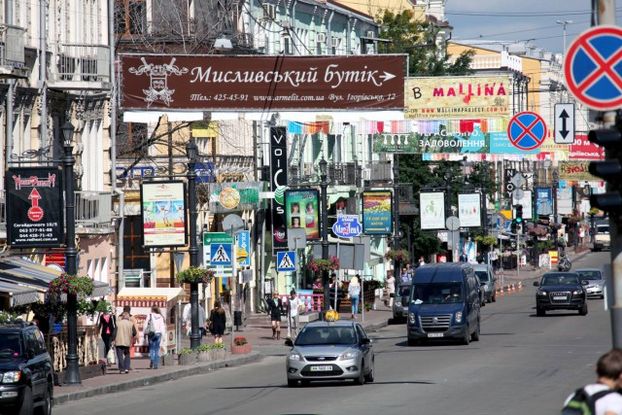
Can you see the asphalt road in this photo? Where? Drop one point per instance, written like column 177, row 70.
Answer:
column 523, row 364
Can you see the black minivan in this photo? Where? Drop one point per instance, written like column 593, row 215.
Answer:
column 444, row 304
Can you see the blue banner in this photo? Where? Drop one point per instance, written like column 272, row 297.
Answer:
column 544, row 201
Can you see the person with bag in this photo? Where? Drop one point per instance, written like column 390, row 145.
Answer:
column 106, row 327
column 123, row 341
column 155, row 332
column 217, row 322
column 274, row 309
column 602, row 397
column 354, row 292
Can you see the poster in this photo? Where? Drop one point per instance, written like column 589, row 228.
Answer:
column 378, row 212
column 432, row 210
column 34, row 207
column 302, row 211
column 544, row 201
column 163, row 213
column 469, row 210
column 525, row 201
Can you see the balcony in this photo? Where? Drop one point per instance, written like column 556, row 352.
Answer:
column 378, row 173
column 12, row 50
column 339, row 174
column 81, row 66
column 93, row 212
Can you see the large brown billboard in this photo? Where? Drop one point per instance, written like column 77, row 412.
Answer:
column 262, row 83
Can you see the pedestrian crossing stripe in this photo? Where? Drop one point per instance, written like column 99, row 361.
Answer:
column 286, row 261
column 221, row 256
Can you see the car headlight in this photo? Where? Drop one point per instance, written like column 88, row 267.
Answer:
column 459, row 317
column 412, row 318
column 349, row 355
column 542, row 293
column 486, row 287
column 577, row 292
column 295, row 356
column 11, row 377
column 398, row 303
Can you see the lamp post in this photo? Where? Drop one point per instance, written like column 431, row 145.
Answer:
column 72, row 375
column 192, row 152
column 324, row 197
column 396, row 218
column 555, row 186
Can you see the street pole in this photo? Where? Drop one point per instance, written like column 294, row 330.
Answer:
column 555, row 186
column 396, row 218
column 72, row 376
column 324, row 228
column 192, row 154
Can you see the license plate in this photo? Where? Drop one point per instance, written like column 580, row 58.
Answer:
column 435, row 334
column 559, row 298
column 321, row 368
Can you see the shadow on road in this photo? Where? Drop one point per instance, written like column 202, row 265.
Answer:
column 556, row 315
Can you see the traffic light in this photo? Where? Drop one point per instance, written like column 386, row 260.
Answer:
column 610, row 169
column 519, row 214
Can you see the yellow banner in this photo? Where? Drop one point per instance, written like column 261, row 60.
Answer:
column 576, row 171
column 444, row 97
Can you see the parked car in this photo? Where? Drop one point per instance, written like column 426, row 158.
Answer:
column 488, row 281
column 26, row 371
column 400, row 305
column 602, row 239
column 560, row 291
column 330, row 350
column 445, row 303
column 595, row 286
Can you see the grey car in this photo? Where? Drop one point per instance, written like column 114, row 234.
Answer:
column 400, row 305
column 595, row 285
column 488, row 281
column 330, row 350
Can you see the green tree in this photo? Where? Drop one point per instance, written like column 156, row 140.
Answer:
column 419, row 39
column 483, row 177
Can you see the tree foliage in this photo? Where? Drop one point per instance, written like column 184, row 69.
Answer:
column 419, row 39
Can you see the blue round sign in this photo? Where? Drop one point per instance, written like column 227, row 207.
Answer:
column 347, row 226
column 593, row 68
column 527, row 130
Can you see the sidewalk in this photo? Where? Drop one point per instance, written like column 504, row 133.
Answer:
column 259, row 334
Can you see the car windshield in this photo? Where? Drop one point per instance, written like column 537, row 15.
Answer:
column 9, row 346
column 560, row 279
column 404, row 291
column 482, row 275
column 438, row 293
column 602, row 229
column 589, row 275
column 325, row 335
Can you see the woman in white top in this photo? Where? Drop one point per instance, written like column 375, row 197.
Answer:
column 156, row 331
column 391, row 289
column 354, row 292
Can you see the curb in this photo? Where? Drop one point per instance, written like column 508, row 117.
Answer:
column 375, row 326
column 151, row 380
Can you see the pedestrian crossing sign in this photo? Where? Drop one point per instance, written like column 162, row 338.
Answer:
column 221, row 254
column 286, row 261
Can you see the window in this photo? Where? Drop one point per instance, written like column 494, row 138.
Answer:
column 10, row 346
column 134, row 254
column 130, row 17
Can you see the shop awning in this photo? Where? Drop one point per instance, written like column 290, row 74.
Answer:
column 18, row 294
column 149, row 293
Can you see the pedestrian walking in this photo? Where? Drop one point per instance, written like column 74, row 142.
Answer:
column 123, row 341
column 354, row 292
column 602, row 397
column 127, row 309
column 294, row 306
column 274, row 309
column 106, row 327
column 217, row 322
column 390, row 285
column 335, row 293
column 155, row 332
column 186, row 317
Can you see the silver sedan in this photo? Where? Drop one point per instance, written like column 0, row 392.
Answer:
column 338, row 350
column 593, row 281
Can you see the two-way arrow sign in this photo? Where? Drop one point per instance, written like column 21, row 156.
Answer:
column 564, row 123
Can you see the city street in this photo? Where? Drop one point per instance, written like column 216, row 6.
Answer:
column 522, row 364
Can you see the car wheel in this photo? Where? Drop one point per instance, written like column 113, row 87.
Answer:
column 583, row 310
column 360, row 380
column 475, row 336
column 370, row 376
column 292, row 383
column 46, row 409
column 494, row 298
column 26, row 406
column 540, row 312
column 467, row 337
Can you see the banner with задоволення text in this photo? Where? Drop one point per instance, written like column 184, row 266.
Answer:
column 260, row 83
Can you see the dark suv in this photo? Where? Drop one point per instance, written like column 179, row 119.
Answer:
column 26, row 372
column 560, row 291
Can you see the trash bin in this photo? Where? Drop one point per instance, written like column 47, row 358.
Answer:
column 237, row 319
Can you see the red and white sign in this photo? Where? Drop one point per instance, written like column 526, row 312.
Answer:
column 584, row 149
column 35, row 213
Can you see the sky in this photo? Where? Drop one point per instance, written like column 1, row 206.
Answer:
column 535, row 20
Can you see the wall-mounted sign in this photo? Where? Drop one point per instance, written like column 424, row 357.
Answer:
column 378, row 212
column 347, row 226
column 216, row 83
column 432, row 210
column 469, row 210
column 34, row 207
column 163, row 213
column 575, row 171
column 302, row 211
column 278, row 184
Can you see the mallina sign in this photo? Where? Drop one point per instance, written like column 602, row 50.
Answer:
column 217, row 83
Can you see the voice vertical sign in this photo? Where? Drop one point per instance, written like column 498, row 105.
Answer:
column 278, row 184
column 34, row 207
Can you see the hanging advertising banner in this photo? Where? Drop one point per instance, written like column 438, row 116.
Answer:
column 469, row 210
column 457, row 97
column 163, row 209
column 34, row 207
column 584, row 149
column 544, row 201
column 243, row 248
column 259, row 82
column 278, row 184
column 525, row 200
column 302, row 207
column 576, row 171
column 432, row 210
column 378, row 212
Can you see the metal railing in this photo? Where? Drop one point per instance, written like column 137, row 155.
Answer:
column 82, row 63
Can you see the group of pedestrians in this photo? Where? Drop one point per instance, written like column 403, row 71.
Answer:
column 215, row 324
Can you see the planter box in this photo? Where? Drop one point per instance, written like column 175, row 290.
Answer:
column 211, row 355
column 187, row 359
column 244, row 349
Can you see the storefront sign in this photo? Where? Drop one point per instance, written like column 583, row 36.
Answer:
column 216, row 83
column 432, row 210
column 378, row 212
column 163, row 213
column 278, row 184
column 34, row 207
column 469, row 210
column 457, row 97
column 302, row 211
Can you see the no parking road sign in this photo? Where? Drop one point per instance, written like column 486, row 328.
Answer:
column 527, row 130
column 593, row 68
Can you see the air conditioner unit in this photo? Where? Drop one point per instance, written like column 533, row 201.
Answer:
column 371, row 33
column 321, row 37
column 269, row 11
